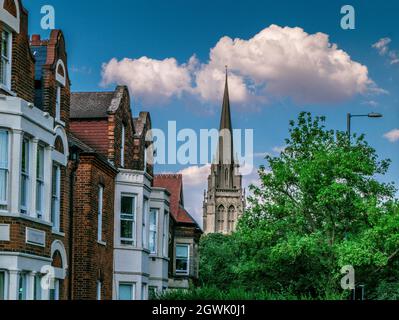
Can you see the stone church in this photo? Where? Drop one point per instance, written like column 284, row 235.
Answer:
column 224, row 201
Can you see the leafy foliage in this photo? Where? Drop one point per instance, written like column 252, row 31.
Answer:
column 319, row 206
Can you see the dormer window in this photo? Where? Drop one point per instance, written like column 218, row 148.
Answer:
column 5, row 65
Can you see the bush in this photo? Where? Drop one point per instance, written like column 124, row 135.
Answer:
column 213, row 293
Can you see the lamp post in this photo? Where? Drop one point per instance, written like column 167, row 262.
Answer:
column 350, row 116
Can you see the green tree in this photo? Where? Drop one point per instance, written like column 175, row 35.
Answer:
column 319, row 207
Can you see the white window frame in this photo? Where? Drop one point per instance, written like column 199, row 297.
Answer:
column 183, row 272
column 58, row 102
column 56, row 197
column 100, row 213
column 4, row 205
column 144, row 236
column 123, row 216
column 99, row 289
column 40, row 181
column 25, row 176
column 123, row 142
column 165, row 235
column 153, row 231
column 7, row 60
column 133, row 288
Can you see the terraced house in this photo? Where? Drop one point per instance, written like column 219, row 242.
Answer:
column 104, row 121
column 80, row 215
column 34, row 219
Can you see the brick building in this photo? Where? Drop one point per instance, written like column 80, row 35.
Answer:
column 80, row 215
column 104, row 121
column 184, row 234
column 34, row 208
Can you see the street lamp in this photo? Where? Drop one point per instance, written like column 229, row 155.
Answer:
column 369, row 115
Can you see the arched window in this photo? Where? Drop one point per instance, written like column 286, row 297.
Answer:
column 220, row 219
column 226, row 177
column 61, row 82
column 59, row 145
column 232, row 218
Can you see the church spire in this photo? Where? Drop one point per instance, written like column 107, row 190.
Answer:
column 226, row 128
column 225, row 121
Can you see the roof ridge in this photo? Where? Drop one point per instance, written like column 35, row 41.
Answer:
column 77, row 92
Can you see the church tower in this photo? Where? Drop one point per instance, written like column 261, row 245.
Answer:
column 224, row 202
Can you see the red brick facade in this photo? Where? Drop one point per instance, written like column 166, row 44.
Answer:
column 92, row 260
column 22, row 76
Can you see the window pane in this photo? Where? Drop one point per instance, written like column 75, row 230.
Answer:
column 125, row 292
column 3, row 188
column 2, row 285
column 4, row 44
column 40, row 163
column 39, row 197
column 100, row 213
column 182, row 251
column 24, row 193
column 25, row 156
column 127, row 229
column 181, row 265
column 3, row 149
column 37, row 294
column 22, row 287
column 127, row 204
column 55, row 199
column 153, row 220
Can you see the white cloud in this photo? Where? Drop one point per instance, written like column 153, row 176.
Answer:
column 371, row 103
column 276, row 63
column 392, row 135
column 153, row 81
column 382, row 46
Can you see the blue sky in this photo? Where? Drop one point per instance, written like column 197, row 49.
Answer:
column 98, row 31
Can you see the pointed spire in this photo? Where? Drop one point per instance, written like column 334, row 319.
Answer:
column 226, row 128
column 225, row 121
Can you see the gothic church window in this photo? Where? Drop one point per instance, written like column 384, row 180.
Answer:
column 231, row 218
column 220, row 219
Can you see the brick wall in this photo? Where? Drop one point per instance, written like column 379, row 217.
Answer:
column 22, row 73
column 91, row 260
column 122, row 116
column 56, row 50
